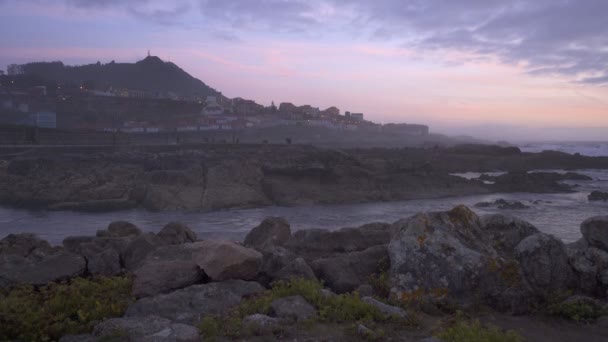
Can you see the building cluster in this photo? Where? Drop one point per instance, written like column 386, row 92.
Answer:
column 35, row 106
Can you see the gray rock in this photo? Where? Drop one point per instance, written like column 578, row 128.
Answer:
column 78, row 338
column 294, row 308
column 506, row 232
column 191, row 304
column 261, row 324
column 589, row 265
column 595, row 231
column 273, row 230
column 74, row 243
column 544, row 262
column 298, row 268
column 40, row 270
column 366, row 332
column 222, row 260
column 120, row 229
column 325, row 293
column 103, row 255
column 388, row 310
column 176, row 233
column 106, row 262
column 161, row 277
column 138, row 248
column 598, row 196
column 345, row 272
column 148, row 328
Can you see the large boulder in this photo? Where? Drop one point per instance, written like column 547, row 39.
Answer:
column 591, row 268
column 120, row 229
column 144, row 329
column 222, row 260
column 320, row 243
column 161, row 277
column 103, row 255
column 176, row 233
column 298, row 268
column 544, row 262
column 191, row 304
column 345, row 272
column 595, row 231
column 273, row 230
column 598, row 196
column 438, row 253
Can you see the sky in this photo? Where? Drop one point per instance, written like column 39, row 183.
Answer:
column 495, row 69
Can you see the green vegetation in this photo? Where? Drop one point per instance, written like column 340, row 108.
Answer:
column 331, row 309
column 473, row 331
column 49, row 312
column 579, row 311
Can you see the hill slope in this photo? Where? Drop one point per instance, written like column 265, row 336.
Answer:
column 150, row 74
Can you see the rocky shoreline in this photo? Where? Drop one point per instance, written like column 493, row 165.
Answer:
column 429, row 266
column 215, row 177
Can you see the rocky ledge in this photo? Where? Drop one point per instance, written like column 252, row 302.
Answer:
column 217, row 177
column 433, row 263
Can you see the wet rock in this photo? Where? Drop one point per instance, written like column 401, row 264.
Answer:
column 273, row 230
column 388, row 310
column 176, row 233
column 120, row 229
column 191, row 304
column 503, row 204
column 148, row 328
column 595, row 231
column 345, row 272
column 223, row 260
column 598, row 196
column 544, row 262
column 294, row 308
column 261, row 324
column 162, row 277
column 537, row 182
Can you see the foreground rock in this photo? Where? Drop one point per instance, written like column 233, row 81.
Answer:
column 222, row 260
column 25, row 259
column 176, row 233
column 295, row 309
column 595, row 232
column 191, row 304
column 598, row 196
column 273, row 231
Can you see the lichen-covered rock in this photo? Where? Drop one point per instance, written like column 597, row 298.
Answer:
column 294, row 308
column 544, row 262
column 176, row 233
column 438, row 252
column 191, row 304
column 595, row 231
column 144, row 329
column 273, row 230
column 222, row 260
column 345, row 272
column 161, row 277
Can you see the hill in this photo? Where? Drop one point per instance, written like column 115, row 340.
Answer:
column 150, row 74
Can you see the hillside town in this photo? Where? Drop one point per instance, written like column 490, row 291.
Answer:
column 28, row 100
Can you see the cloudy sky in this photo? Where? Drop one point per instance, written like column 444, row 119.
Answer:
column 503, row 69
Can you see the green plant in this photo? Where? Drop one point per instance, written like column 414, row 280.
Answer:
column 209, row 328
column 473, row 331
column 577, row 311
column 49, row 312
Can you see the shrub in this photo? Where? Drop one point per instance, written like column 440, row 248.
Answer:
column 473, row 331
column 579, row 311
column 49, row 312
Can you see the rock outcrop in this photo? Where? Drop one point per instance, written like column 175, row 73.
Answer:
column 598, row 196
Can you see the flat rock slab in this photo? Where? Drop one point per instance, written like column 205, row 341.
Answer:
column 192, row 304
